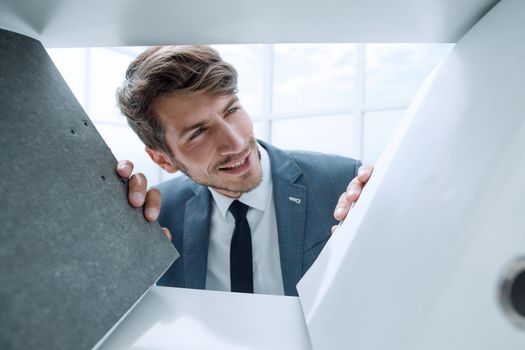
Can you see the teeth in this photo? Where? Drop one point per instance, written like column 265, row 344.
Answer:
column 236, row 165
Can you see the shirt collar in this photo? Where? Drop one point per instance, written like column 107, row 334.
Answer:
column 256, row 198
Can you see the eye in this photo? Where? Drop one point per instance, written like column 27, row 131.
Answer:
column 233, row 109
column 196, row 133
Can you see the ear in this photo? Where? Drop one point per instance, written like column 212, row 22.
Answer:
column 161, row 159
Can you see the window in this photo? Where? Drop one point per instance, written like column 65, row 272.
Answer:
column 334, row 98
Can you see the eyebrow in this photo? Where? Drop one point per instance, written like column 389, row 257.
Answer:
column 231, row 103
column 202, row 123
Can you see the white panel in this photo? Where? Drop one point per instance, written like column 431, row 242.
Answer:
column 418, row 263
column 174, row 318
column 83, row 23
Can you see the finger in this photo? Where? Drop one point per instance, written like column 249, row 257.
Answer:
column 355, row 181
column 137, row 189
column 364, row 172
column 353, row 191
column 152, row 204
column 124, row 168
column 341, row 209
column 167, row 233
column 334, row 228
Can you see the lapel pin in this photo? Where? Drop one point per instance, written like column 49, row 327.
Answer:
column 295, row 200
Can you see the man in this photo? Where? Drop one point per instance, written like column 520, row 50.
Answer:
column 247, row 216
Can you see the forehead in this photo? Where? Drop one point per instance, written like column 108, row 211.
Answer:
column 177, row 111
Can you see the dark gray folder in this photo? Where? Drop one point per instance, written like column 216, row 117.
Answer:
column 74, row 256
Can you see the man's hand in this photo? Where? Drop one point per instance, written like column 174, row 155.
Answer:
column 138, row 193
column 352, row 193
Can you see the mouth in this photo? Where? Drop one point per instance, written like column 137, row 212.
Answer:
column 237, row 167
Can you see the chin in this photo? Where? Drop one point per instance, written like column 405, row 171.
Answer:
column 248, row 183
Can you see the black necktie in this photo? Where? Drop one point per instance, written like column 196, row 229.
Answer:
column 241, row 273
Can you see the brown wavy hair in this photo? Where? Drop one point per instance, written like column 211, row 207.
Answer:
column 164, row 70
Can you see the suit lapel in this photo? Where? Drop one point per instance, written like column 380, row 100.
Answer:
column 197, row 216
column 290, row 210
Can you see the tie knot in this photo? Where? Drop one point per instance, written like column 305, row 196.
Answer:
column 238, row 210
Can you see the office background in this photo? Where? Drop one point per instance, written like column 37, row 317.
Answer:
column 335, row 98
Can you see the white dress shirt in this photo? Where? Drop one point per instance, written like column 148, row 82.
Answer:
column 267, row 276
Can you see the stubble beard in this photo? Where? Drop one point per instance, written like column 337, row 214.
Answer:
column 244, row 187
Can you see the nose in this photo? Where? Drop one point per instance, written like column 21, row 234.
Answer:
column 230, row 139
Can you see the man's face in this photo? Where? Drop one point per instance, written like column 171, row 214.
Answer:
column 211, row 139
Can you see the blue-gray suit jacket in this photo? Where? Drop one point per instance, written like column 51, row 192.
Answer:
column 317, row 180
